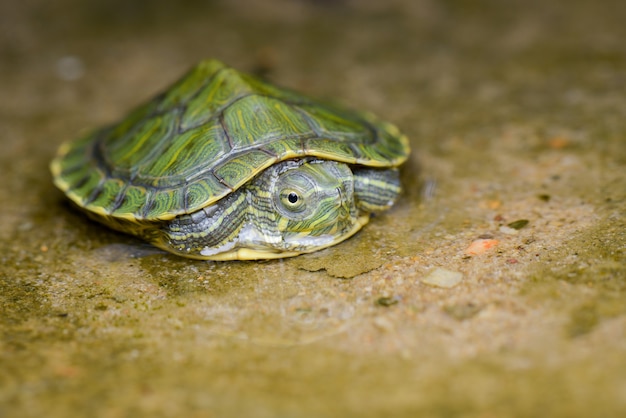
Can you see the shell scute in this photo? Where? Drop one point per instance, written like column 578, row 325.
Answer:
column 185, row 156
column 127, row 152
column 256, row 120
column 223, row 88
column 187, row 87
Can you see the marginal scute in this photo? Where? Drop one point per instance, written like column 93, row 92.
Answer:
column 86, row 186
column 197, row 191
column 236, row 171
column 164, row 202
column 109, row 193
column 76, row 157
column 213, row 131
column 286, row 148
column 376, row 155
column 329, row 149
column 340, row 127
column 133, row 200
column 397, row 145
column 75, row 176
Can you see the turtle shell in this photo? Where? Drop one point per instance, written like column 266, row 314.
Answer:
column 209, row 134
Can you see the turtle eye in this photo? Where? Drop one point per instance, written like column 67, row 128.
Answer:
column 296, row 193
column 292, row 200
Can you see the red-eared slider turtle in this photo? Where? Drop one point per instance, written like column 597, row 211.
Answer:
column 224, row 166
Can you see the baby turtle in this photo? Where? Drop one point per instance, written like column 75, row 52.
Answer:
column 224, row 166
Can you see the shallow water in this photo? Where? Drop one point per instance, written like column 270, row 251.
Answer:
column 515, row 112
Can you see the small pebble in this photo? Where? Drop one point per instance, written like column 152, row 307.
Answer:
column 70, row 68
column 479, row 246
column 441, row 277
column 508, row 230
column 383, row 324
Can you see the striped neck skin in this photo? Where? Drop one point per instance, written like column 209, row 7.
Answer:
column 376, row 189
column 293, row 207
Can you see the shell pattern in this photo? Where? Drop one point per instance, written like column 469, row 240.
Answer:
column 210, row 133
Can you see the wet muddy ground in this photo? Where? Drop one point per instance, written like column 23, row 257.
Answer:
column 516, row 112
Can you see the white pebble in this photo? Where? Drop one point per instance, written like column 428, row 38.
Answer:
column 441, row 277
column 508, row 230
column 70, row 68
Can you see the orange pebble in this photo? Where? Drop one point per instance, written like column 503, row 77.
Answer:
column 480, row 246
column 558, row 142
column 494, row 204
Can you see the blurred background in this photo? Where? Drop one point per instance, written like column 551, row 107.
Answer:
column 515, row 111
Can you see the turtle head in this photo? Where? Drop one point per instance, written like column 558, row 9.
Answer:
column 300, row 206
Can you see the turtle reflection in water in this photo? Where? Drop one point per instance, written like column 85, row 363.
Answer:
column 224, row 166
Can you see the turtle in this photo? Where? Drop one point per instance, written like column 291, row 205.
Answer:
column 226, row 166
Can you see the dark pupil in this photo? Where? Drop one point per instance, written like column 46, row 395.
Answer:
column 292, row 197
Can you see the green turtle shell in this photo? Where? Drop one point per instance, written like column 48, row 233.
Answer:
column 210, row 133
